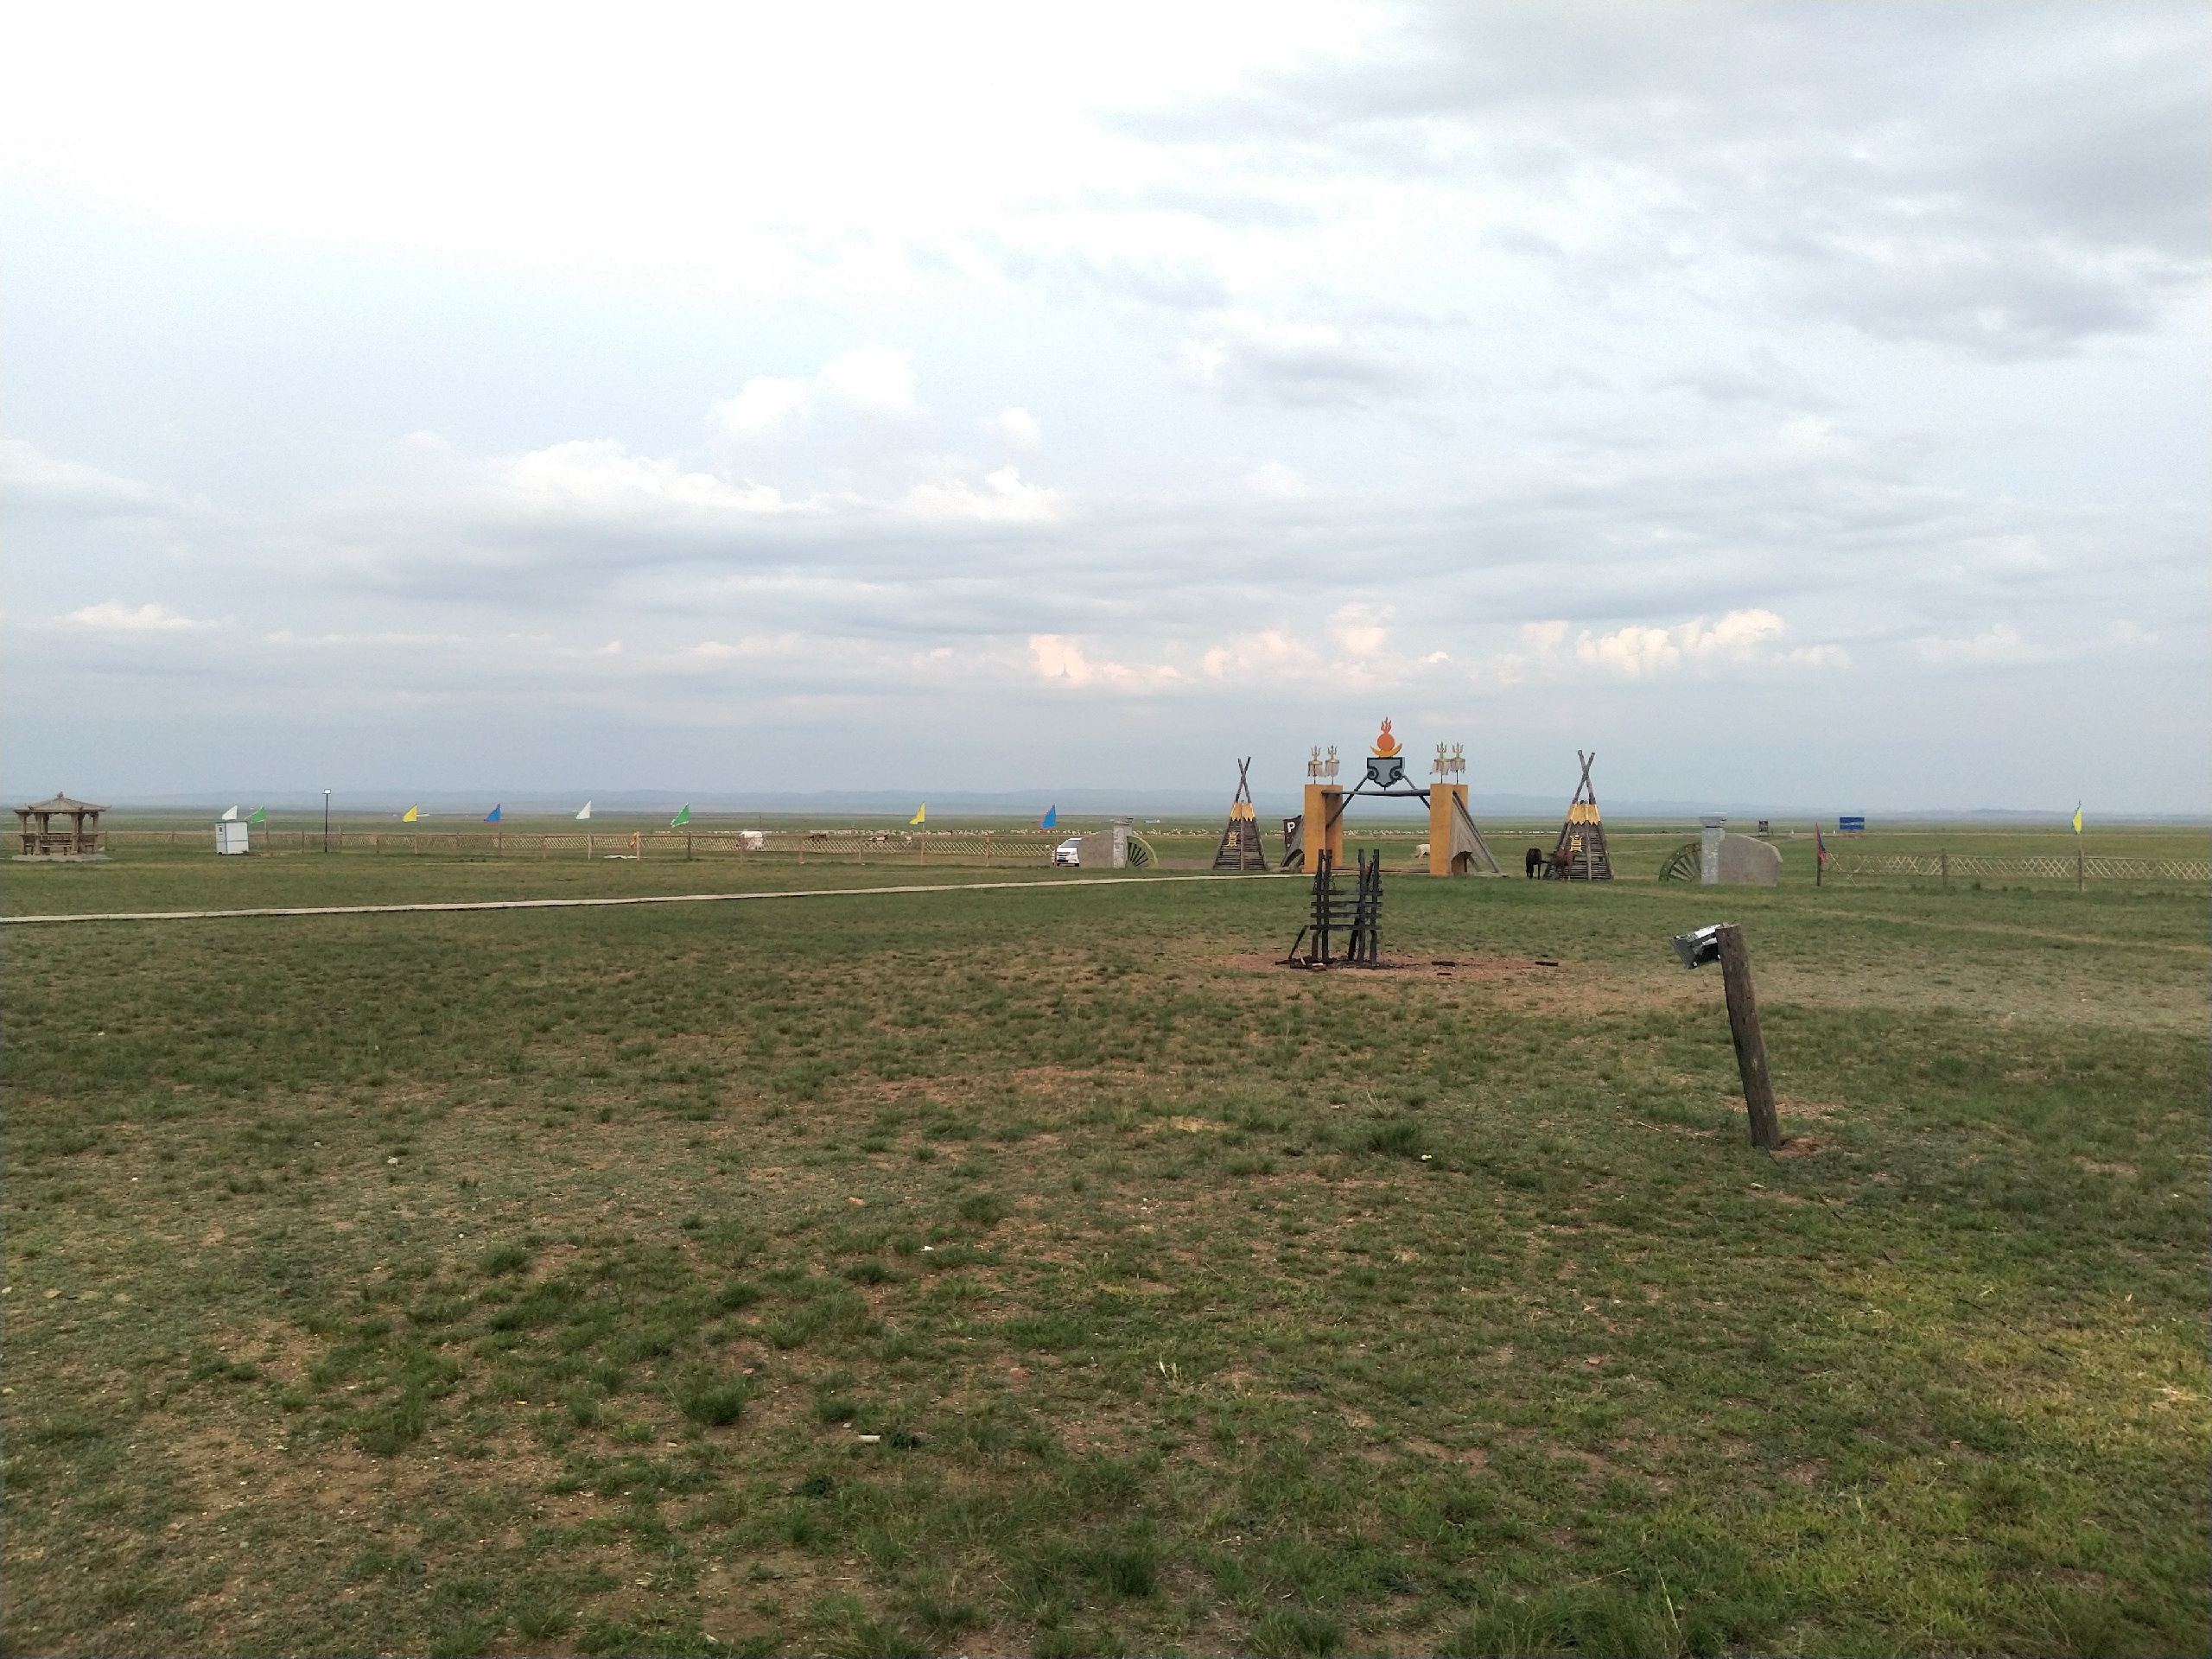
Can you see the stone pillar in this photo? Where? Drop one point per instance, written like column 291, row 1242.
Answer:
column 1442, row 797
column 1325, row 825
column 1708, row 852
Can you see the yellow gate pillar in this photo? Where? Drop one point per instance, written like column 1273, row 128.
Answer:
column 1325, row 825
column 1442, row 798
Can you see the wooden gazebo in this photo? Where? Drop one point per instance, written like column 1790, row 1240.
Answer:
column 82, row 839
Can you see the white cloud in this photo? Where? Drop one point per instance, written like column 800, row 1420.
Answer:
column 1269, row 654
column 1062, row 660
column 875, row 380
column 1819, row 657
column 1639, row 651
column 598, row 475
column 1017, row 429
column 1004, row 500
column 1539, row 644
column 1360, row 629
column 1634, row 650
column 1737, row 635
column 31, row 478
column 762, row 405
column 2002, row 643
column 112, row 616
column 1310, row 364
column 2125, row 635
column 1276, row 482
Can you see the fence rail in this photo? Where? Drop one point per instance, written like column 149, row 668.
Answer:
column 859, row 846
column 2096, row 866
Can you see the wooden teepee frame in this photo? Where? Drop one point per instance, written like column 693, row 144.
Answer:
column 1580, row 854
column 1240, row 838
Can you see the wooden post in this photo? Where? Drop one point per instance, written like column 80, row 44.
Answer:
column 2081, row 872
column 1943, row 866
column 686, row 850
column 1744, row 1031
column 1325, row 825
column 587, row 846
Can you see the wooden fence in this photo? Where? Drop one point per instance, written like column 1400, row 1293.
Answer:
column 1978, row 867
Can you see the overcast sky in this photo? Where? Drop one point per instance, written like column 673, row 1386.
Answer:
column 1802, row 403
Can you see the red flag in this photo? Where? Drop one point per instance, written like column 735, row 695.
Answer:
column 1820, row 845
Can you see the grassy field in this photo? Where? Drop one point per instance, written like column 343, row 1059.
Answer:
column 1032, row 1271
column 164, row 860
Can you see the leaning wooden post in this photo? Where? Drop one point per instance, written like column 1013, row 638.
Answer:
column 1744, row 1031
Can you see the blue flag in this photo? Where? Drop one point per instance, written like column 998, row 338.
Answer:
column 492, row 817
column 1051, row 817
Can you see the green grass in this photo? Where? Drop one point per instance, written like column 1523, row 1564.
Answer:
column 1011, row 1272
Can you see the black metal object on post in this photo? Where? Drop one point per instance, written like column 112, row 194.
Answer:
column 1698, row 948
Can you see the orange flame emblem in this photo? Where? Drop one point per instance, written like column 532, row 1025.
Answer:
column 1385, row 744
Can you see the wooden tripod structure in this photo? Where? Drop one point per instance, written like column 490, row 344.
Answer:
column 1334, row 913
column 1580, row 854
column 1240, row 838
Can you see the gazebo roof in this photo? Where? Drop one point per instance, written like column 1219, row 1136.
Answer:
column 61, row 804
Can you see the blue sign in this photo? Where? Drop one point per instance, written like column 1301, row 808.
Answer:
column 1851, row 826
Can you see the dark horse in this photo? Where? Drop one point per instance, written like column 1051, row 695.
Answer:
column 1533, row 863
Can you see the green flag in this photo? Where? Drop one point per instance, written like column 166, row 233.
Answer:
column 260, row 816
column 681, row 818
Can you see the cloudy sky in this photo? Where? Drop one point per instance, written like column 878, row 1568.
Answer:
column 1794, row 402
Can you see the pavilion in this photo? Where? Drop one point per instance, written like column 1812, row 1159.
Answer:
column 81, row 840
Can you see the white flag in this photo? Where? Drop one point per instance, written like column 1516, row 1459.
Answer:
column 586, row 813
column 230, row 816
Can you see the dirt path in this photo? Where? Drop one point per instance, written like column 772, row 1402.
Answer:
column 1047, row 885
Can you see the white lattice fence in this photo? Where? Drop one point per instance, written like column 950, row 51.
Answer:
column 1986, row 867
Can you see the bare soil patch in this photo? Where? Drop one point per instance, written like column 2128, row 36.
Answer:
column 1466, row 968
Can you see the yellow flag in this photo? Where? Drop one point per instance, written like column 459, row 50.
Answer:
column 2077, row 817
column 411, row 815
column 920, row 812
